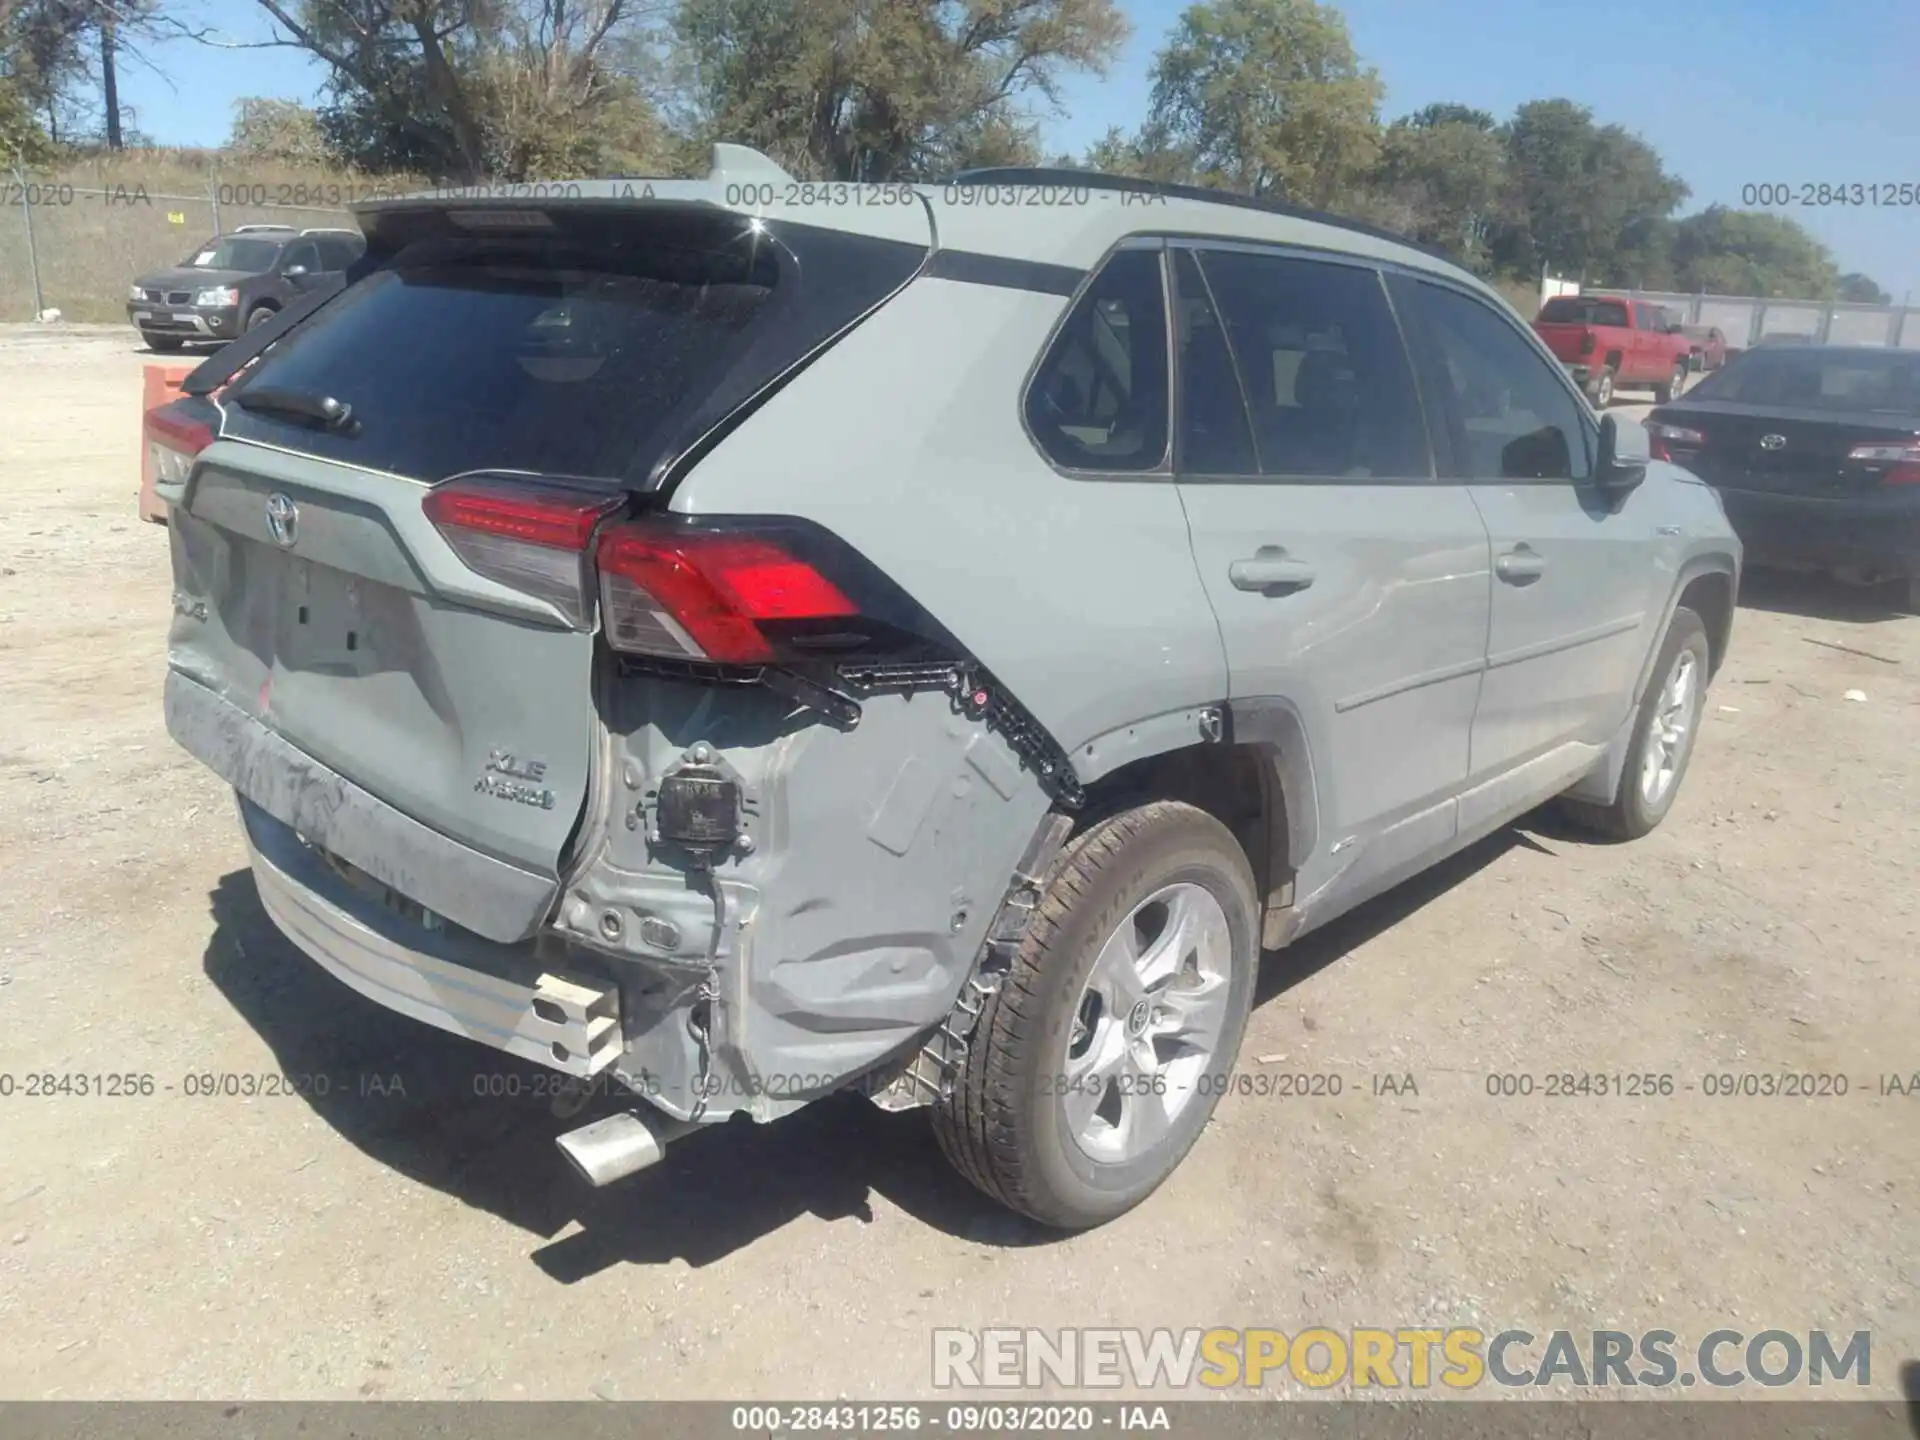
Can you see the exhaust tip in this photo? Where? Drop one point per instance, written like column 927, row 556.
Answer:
column 612, row 1148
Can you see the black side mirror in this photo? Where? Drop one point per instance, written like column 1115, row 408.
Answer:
column 1625, row 453
column 294, row 272
column 1675, row 329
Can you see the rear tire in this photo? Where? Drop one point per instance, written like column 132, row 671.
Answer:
column 1601, row 391
column 1676, row 382
column 1056, row 1112
column 1663, row 737
column 163, row 344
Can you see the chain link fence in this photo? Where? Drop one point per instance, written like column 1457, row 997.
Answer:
column 76, row 247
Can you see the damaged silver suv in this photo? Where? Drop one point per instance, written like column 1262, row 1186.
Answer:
column 736, row 640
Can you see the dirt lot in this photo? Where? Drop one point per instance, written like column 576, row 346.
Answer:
column 402, row 1237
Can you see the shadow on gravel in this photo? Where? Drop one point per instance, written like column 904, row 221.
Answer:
column 1281, row 970
column 1818, row 597
column 430, row 1106
column 410, row 1096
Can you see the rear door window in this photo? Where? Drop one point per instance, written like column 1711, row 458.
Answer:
column 1099, row 399
column 1327, row 380
column 1216, row 436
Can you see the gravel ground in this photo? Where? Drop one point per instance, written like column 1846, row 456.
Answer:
column 402, row 1237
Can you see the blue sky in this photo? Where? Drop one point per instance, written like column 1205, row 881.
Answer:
column 1731, row 92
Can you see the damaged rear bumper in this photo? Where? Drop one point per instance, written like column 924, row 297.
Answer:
column 513, row 1002
column 819, row 956
column 493, row 898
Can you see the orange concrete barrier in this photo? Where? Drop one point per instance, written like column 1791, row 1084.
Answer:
column 161, row 384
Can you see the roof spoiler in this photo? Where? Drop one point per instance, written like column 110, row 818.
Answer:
column 729, row 164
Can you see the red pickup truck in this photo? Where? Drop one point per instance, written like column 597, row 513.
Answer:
column 1607, row 341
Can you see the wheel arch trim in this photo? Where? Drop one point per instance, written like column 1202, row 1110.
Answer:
column 1711, row 563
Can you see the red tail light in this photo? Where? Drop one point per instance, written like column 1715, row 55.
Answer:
column 174, row 435
column 1660, row 437
column 1902, row 462
column 706, row 595
column 529, row 536
column 1588, row 342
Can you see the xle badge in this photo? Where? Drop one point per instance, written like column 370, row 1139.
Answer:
column 508, row 777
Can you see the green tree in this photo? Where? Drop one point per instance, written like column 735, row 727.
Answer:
column 23, row 143
column 878, row 90
column 285, row 130
column 1643, row 258
column 1746, row 252
column 1266, row 97
column 65, row 58
column 1862, row 289
column 473, row 89
column 1447, row 113
column 1580, row 191
column 1145, row 155
column 1443, row 179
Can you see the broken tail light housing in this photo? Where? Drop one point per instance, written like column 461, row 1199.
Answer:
column 728, row 591
column 1661, row 439
column 1901, row 462
column 529, row 536
column 175, row 434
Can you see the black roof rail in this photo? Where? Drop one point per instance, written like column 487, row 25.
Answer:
column 1102, row 180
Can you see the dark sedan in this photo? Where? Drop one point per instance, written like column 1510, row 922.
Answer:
column 1815, row 452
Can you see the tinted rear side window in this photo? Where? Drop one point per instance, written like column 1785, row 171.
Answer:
column 1099, row 398
column 1327, row 379
column 1216, row 437
column 550, row 359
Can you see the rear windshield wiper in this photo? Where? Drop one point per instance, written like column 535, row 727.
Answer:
column 332, row 413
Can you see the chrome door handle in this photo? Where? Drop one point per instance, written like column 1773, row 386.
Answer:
column 1272, row 572
column 1520, row 566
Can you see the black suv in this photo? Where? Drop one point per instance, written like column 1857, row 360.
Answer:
column 235, row 281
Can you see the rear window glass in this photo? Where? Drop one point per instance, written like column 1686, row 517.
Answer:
column 555, row 357
column 1802, row 379
column 1583, row 310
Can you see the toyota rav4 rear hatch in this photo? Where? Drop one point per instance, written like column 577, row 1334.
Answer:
column 382, row 557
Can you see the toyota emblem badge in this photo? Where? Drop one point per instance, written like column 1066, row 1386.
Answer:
column 283, row 519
